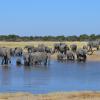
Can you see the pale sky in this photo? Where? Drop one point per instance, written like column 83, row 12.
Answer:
column 49, row 17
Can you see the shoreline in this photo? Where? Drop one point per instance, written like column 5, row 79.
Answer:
column 85, row 95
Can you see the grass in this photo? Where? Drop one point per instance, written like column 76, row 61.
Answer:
column 35, row 43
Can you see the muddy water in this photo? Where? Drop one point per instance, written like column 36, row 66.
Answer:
column 56, row 77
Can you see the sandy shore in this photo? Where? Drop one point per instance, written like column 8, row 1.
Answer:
column 52, row 96
column 93, row 58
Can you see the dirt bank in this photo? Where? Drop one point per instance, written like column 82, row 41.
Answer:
column 93, row 58
column 52, row 96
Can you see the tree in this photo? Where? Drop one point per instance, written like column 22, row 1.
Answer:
column 72, row 38
column 92, row 37
column 83, row 37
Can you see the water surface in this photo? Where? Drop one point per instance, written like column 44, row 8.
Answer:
column 57, row 77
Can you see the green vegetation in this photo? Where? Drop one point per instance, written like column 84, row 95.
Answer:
column 83, row 37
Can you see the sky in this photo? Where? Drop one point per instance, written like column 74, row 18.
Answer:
column 49, row 17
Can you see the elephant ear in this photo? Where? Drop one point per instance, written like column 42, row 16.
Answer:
column 25, row 47
column 15, row 48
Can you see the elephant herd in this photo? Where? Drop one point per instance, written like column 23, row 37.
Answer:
column 41, row 54
column 32, row 55
column 7, row 53
column 68, row 53
column 71, row 52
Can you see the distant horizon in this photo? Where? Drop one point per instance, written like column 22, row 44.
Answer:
column 46, row 35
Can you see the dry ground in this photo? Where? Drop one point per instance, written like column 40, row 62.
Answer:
column 52, row 96
column 35, row 43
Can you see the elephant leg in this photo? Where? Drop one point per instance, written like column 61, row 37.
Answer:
column 73, row 57
column 2, row 61
column 45, row 63
column 10, row 61
column 48, row 61
column 20, row 54
column 78, row 58
column 67, row 57
column 24, row 62
column 84, row 58
column 6, row 61
column 97, row 48
column 90, row 49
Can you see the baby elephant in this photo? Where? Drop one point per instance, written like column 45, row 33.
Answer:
column 61, row 57
column 81, row 55
column 70, row 55
column 73, row 47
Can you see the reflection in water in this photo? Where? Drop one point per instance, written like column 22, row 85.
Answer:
column 58, row 76
column 5, row 76
column 36, row 79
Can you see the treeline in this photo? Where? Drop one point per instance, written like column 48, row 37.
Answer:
column 83, row 37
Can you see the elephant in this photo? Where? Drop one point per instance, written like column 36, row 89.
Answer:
column 56, row 47
column 85, row 47
column 12, row 51
column 93, row 44
column 61, row 57
column 89, row 51
column 35, row 49
column 48, row 50
column 18, row 51
column 5, row 55
column 73, row 47
column 42, row 48
column 81, row 55
column 26, row 58
column 61, row 47
column 98, row 41
column 29, row 48
column 38, row 58
column 70, row 55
